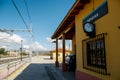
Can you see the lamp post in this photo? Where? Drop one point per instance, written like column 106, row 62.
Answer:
column 21, row 49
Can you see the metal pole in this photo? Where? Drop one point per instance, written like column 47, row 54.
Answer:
column 21, row 48
column 30, row 49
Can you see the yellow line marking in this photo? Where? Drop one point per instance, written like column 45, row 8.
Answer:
column 17, row 72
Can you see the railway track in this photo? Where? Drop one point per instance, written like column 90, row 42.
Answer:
column 10, row 60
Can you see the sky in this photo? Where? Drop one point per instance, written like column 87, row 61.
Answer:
column 45, row 17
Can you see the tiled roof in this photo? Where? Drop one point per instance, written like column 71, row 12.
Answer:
column 60, row 50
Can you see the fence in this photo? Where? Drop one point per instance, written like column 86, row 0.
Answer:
column 8, row 68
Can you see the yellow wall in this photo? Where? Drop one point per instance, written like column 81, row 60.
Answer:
column 107, row 24
column 60, row 55
column 73, row 45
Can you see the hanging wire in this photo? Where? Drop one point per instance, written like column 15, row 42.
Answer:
column 29, row 18
column 20, row 14
column 31, row 35
column 28, row 11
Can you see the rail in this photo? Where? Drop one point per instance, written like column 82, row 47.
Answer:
column 5, row 60
column 9, row 67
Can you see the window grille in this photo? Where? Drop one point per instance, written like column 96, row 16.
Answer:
column 94, row 55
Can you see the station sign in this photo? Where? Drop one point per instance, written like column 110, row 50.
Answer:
column 97, row 13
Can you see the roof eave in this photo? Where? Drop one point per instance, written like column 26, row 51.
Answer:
column 77, row 6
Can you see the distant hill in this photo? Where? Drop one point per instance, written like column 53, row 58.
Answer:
column 41, row 53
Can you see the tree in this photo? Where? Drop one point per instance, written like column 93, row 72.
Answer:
column 2, row 51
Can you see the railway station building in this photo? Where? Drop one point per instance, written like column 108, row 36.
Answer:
column 94, row 28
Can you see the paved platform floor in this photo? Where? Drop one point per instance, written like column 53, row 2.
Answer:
column 42, row 68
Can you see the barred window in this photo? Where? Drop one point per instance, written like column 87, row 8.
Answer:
column 94, row 56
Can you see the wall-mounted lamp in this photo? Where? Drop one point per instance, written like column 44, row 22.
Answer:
column 118, row 27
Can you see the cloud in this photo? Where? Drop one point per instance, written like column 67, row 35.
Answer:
column 14, row 39
column 10, row 42
column 26, row 47
column 36, row 46
column 14, row 42
column 68, row 44
column 3, row 47
column 49, row 40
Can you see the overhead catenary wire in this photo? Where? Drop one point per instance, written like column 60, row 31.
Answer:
column 29, row 29
column 28, row 11
column 20, row 14
column 30, row 26
column 29, row 18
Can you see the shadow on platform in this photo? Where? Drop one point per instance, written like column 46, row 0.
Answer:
column 34, row 72
column 38, row 71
